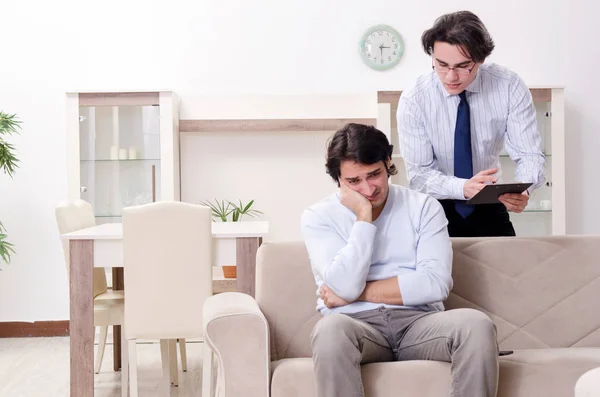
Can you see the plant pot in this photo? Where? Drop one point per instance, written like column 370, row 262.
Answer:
column 240, row 229
column 229, row 271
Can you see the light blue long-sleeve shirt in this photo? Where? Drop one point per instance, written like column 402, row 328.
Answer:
column 409, row 240
column 502, row 115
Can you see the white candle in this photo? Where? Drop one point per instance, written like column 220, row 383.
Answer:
column 132, row 153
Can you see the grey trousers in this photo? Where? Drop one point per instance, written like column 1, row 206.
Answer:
column 464, row 337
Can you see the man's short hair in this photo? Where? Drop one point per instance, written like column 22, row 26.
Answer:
column 462, row 28
column 361, row 143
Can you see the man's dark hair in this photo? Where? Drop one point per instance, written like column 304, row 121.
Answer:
column 462, row 28
column 361, row 143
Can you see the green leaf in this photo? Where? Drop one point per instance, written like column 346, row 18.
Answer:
column 248, row 206
column 219, row 208
column 9, row 125
column 6, row 249
column 244, row 209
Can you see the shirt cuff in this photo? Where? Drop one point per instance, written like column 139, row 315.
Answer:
column 363, row 231
column 411, row 289
column 458, row 188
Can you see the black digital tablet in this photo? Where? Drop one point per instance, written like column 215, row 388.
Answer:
column 490, row 193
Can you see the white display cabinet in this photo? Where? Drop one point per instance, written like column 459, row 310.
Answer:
column 122, row 150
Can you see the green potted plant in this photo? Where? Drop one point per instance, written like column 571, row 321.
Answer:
column 9, row 124
column 221, row 210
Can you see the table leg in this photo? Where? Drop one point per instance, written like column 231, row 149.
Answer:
column 118, row 285
column 81, row 301
column 245, row 249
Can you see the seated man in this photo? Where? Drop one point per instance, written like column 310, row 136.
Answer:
column 382, row 261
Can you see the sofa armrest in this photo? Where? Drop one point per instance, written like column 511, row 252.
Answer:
column 237, row 332
column 588, row 384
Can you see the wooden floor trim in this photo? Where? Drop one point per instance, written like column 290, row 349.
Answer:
column 34, row 329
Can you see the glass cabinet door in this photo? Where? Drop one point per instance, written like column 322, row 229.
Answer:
column 536, row 219
column 119, row 158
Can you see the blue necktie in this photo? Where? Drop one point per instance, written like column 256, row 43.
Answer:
column 463, row 157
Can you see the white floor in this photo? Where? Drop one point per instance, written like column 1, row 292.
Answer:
column 39, row 367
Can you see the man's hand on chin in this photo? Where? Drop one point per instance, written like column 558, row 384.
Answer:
column 330, row 298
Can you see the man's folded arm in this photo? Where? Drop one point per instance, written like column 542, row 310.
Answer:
column 342, row 265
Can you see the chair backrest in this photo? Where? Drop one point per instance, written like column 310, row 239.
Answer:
column 540, row 292
column 167, row 269
column 76, row 215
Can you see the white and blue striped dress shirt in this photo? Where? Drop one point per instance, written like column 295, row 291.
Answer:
column 502, row 112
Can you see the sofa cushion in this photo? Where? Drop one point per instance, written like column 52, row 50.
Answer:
column 526, row 373
column 295, row 378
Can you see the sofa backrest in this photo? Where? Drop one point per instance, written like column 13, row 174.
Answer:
column 540, row 292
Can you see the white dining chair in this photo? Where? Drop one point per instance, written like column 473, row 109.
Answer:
column 167, row 251
column 108, row 304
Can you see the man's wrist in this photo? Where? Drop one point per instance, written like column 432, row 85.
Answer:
column 459, row 189
column 365, row 216
column 364, row 296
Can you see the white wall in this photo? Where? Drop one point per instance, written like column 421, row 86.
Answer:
column 582, row 82
column 237, row 47
column 282, row 181
column 282, row 171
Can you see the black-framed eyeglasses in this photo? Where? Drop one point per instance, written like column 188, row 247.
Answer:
column 458, row 70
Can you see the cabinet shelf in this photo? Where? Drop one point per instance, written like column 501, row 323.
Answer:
column 507, row 156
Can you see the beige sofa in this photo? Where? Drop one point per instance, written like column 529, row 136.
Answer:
column 542, row 293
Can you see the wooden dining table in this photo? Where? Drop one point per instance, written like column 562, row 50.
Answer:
column 102, row 246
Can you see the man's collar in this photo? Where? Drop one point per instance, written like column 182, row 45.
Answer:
column 475, row 85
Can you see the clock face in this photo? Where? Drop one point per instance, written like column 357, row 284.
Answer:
column 381, row 47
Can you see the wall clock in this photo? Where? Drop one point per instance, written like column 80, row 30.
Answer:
column 381, row 47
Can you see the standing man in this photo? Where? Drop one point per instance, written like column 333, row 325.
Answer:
column 453, row 124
